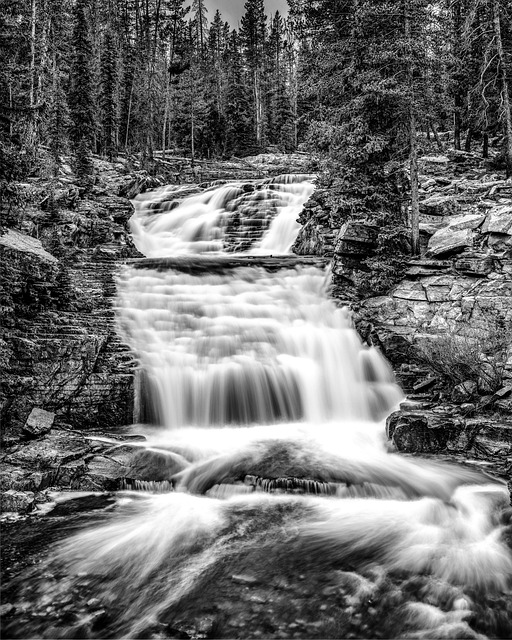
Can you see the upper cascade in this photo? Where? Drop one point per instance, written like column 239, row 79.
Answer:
column 258, row 217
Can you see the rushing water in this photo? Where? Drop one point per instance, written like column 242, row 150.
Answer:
column 265, row 415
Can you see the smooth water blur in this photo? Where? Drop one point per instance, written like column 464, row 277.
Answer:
column 238, row 215
column 249, row 347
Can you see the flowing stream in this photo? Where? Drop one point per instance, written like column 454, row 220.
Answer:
column 267, row 485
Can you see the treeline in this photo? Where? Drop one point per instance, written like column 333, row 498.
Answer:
column 356, row 79
column 146, row 75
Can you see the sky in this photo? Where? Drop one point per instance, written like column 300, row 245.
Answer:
column 232, row 10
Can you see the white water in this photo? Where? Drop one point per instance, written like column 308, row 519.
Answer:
column 167, row 223
column 255, row 377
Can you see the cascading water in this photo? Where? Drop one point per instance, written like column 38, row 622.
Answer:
column 288, row 518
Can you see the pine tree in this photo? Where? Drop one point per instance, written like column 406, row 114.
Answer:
column 109, row 93
column 253, row 35
column 80, row 97
column 239, row 112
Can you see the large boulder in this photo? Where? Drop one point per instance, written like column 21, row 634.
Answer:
column 447, row 241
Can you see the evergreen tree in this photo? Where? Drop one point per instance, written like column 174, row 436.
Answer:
column 239, row 112
column 109, row 93
column 80, row 97
column 253, row 35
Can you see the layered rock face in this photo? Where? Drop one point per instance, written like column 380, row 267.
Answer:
column 59, row 348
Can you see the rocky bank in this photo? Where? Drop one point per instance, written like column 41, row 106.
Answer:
column 447, row 325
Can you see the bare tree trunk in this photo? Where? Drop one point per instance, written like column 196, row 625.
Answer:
column 458, row 97
column 128, row 119
column 504, row 87
column 439, row 142
column 469, row 140
column 31, row 96
column 257, row 106
column 415, row 207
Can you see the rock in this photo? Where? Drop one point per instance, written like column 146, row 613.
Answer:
column 499, row 220
column 474, row 265
column 423, row 431
column 356, row 239
column 49, row 452
column 409, row 290
column 439, row 206
column 39, row 422
column 466, row 221
column 19, row 242
column 464, row 391
column 446, row 241
column 504, row 392
column 19, row 479
column 17, row 501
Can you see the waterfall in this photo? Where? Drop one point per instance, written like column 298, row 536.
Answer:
column 265, row 485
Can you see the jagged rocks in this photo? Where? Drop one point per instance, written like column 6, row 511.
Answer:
column 426, row 432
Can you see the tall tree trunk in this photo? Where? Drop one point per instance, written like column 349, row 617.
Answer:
column 413, row 164
column 32, row 79
column 257, row 107
column 504, row 87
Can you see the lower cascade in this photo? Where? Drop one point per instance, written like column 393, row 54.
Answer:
column 263, row 501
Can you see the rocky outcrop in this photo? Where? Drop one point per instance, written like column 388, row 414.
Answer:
column 59, row 350
column 445, row 430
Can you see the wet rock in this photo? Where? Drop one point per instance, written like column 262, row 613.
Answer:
column 423, row 432
column 51, row 451
column 39, row 422
column 16, row 501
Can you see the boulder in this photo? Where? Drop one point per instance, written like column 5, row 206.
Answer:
column 474, row 265
column 424, row 431
column 439, row 206
column 499, row 220
column 16, row 501
column 447, row 240
column 39, row 422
